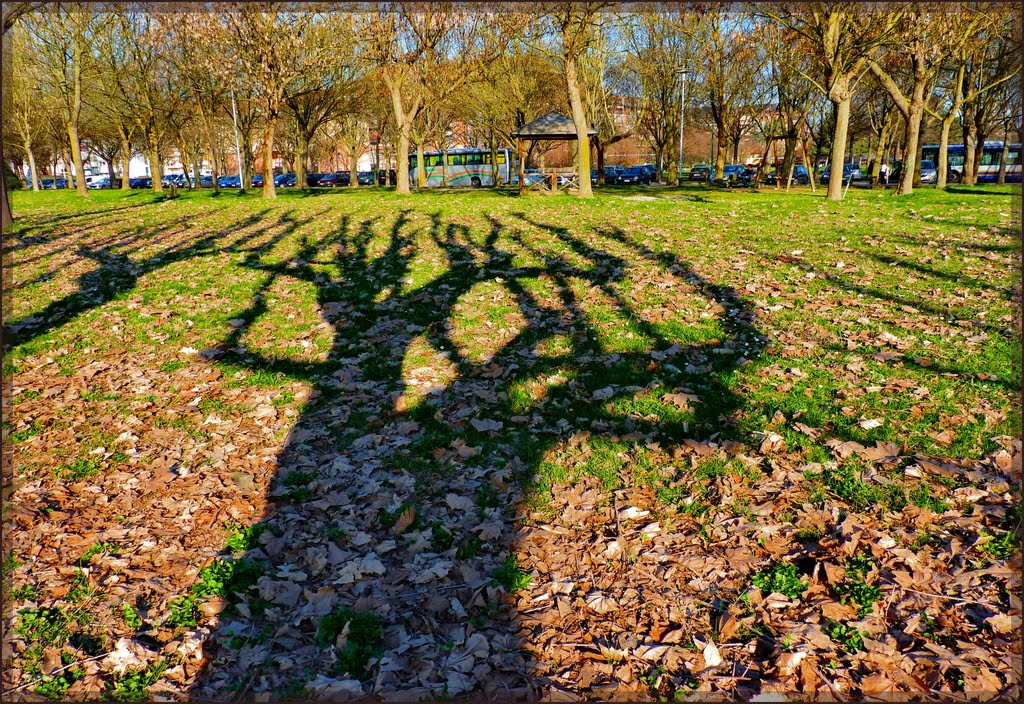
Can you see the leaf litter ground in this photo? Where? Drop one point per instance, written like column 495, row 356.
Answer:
column 356, row 444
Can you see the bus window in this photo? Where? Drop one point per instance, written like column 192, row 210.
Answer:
column 1013, row 158
column 501, row 157
column 474, row 159
column 412, row 161
column 456, row 160
column 486, row 157
column 990, row 157
column 956, row 158
column 432, row 161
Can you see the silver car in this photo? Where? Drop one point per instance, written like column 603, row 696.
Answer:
column 929, row 173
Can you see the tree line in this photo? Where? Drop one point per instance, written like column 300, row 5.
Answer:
column 308, row 81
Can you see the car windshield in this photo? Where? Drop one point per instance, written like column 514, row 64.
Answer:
column 927, row 164
column 634, row 170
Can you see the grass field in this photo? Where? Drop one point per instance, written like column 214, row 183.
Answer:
column 658, row 444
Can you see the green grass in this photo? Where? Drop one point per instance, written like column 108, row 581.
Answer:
column 364, row 639
column 780, row 578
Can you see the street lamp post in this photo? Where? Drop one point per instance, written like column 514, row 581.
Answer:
column 682, row 111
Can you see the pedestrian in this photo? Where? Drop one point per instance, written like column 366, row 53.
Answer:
column 883, row 173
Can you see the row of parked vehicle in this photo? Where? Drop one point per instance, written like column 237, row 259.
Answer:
column 338, row 178
column 801, row 177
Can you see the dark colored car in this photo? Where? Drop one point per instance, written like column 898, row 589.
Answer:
column 257, row 181
column 634, row 175
column 140, row 182
column 105, row 182
column 337, row 179
column 366, row 178
column 800, row 176
column 390, row 178
column 849, row 171
column 49, row 184
column 284, row 180
column 611, row 175
column 736, row 173
column 206, row 181
column 179, row 180
column 229, row 182
column 700, row 173
column 652, row 172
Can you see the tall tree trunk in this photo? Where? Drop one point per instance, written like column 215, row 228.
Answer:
column 495, row 176
column 721, row 155
column 301, row 158
column 579, row 118
column 970, row 144
column 879, row 155
column 76, row 157
column 599, row 145
column 421, row 168
column 155, row 168
column 353, row 165
column 444, row 166
column 911, row 137
column 942, row 167
column 32, row 165
column 981, row 134
column 197, row 165
column 789, row 155
column 214, row 151
column 269, row 192
column 842, row 112
column 126, row 161
column 1004, row 156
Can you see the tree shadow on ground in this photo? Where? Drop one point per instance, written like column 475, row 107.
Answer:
column 400, row 490
column 118, row 266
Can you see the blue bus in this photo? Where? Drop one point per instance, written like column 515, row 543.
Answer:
column 988, row 172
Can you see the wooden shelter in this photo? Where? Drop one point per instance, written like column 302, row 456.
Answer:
column 552, row 127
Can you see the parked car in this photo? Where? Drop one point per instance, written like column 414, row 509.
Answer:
column 229, row 182
column 700, row 173
column 51, row 183
column 736, row 173
column 387, row 179
column 338, row 178
column 140, row 182
column 611, row 175
column 850, row 172
column 800, row 176
column 257, row 181
column 206, row 181
column 365, row 178
column 634, row 175
column 929, row 174
column 652, row 172
column 179, row 180
column 284, row 180
column 531, row 179
column 105, row 182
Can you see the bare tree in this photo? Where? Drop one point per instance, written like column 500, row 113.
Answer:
column 660, row 46
column 841, row 36
column 24, row 100
column 274, row 47
column 410, row 42
column 65, row 37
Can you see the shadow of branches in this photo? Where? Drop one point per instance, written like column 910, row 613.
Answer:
column 401, row 489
